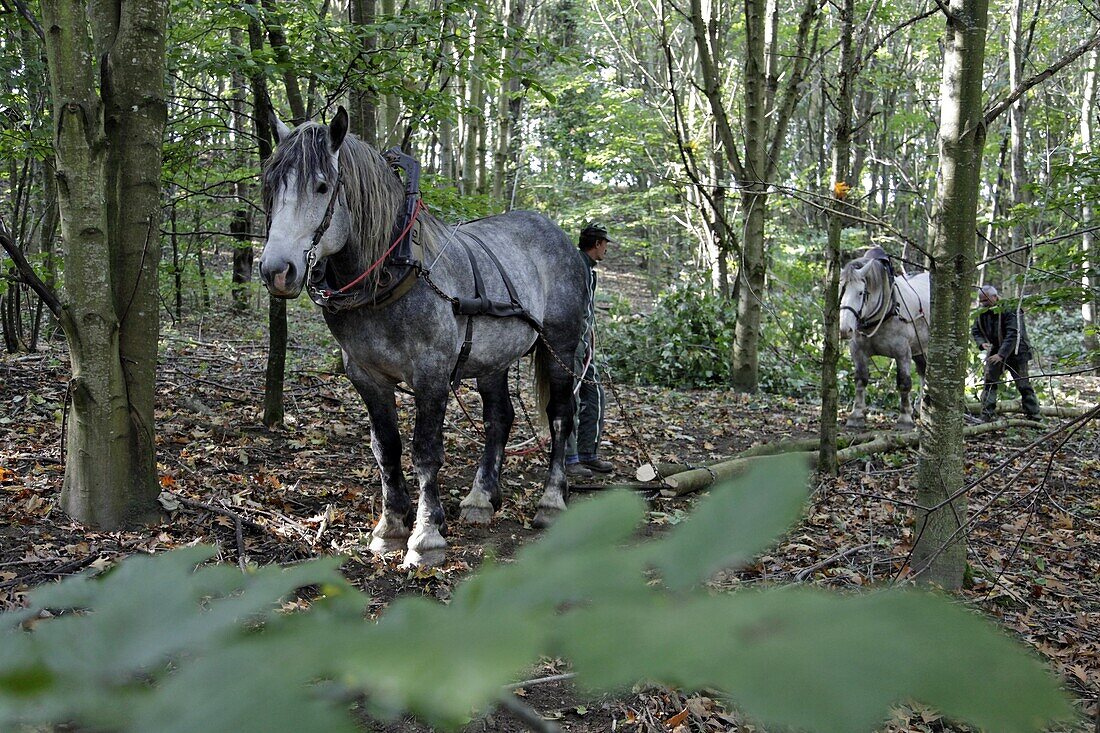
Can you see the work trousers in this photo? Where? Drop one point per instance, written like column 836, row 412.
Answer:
column 1017, row 369
column 584, row 441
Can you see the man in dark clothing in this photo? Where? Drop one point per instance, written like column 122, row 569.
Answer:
column 1001, row 332
column 581, row 451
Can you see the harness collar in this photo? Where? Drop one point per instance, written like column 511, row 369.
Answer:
column 396, row 268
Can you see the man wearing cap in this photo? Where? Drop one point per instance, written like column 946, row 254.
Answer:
column 581, row 452
column 1000, row 331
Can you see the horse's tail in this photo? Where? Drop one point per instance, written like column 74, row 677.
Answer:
column 542, row 359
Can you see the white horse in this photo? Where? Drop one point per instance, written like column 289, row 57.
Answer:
column 884, row 315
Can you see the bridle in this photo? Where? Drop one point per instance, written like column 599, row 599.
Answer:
column 861, row 324
column 326, row 220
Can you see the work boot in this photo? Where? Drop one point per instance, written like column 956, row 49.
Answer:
column 599, row 465
column 578, row 472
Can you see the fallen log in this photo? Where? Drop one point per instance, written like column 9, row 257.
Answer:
column 1010, row 406
column 695, row 479
column 646, row 471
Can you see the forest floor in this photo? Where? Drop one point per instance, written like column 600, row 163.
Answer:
column 311, row 489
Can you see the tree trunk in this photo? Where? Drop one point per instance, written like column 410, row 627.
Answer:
column 362, row 98
column 1017, row 56
column 509, row 107
column 277, row 37
column 109, row 124
column 744, row 371
column 940, row 550
column 276, row 308
column 827, row 461
column 240, row 224
column 1090, row 279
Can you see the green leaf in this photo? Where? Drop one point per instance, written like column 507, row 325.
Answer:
column 813, row 661
column 739, row 519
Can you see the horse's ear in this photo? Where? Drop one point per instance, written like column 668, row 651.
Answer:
column 338, row 129
column 282, row 132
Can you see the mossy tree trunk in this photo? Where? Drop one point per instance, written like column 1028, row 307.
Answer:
column 842, row 141
column 107, row 79
column 940, row 550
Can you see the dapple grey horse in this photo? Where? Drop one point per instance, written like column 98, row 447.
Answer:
column 884, row 315
column 469, row 301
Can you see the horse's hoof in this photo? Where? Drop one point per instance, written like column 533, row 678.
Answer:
column 384, row 546
column 426, row 559
column 476, row 514
column 545, row 517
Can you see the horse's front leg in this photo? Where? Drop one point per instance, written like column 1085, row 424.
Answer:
column 426, row 545
column 560, row 413
column 394, row 526
column 922, row 366
column 861, row 362
column 905, row 385
column 497, row 414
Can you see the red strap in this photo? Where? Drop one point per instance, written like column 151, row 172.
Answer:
column 380, row 260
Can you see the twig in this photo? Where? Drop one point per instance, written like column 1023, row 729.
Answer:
column 803, row 574
column 541, row 681
column 526, row 714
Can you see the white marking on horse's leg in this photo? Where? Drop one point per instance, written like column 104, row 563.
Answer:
column 390, row 534
column 476, row 507
column 427, row 547
column 552, row 502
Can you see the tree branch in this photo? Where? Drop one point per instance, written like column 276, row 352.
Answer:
column 995, row 110
column 29, row 17
column 28, row 275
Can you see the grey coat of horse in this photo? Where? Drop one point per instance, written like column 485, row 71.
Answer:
column 884, row 315
column 334, row 202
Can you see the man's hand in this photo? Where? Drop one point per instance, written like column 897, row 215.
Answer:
column 994, row 359
column 986, row 346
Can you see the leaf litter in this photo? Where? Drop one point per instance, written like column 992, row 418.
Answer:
column 311, row 489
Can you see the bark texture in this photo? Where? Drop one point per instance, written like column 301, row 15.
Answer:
column 107, row 78
column 842, row 140
column 939, row 554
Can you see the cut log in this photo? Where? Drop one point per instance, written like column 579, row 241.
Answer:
column 700, row 478
column 1009, row 406
column 646, row 471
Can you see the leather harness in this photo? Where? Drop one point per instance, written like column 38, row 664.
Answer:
column 403, row 265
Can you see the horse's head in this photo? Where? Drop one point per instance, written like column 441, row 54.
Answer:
column 306, row 213
column 854, row 295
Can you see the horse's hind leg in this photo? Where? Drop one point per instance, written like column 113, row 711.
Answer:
column 497, row 414
column 426, row 545
column 393, row 528
column 861, row 361
column 559, row 411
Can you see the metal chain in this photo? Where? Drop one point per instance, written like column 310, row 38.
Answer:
column 641, row 446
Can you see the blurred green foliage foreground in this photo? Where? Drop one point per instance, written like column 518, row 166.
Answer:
column 164, row 643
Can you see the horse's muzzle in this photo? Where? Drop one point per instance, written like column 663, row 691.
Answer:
column 285, row 282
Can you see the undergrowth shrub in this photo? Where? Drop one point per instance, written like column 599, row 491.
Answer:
column 685, row 342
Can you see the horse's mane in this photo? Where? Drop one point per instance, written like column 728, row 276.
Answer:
column 373, row 193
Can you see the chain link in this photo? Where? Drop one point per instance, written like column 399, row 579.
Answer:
column 639, row 443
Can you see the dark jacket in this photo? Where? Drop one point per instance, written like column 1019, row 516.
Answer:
column 1000, row 327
